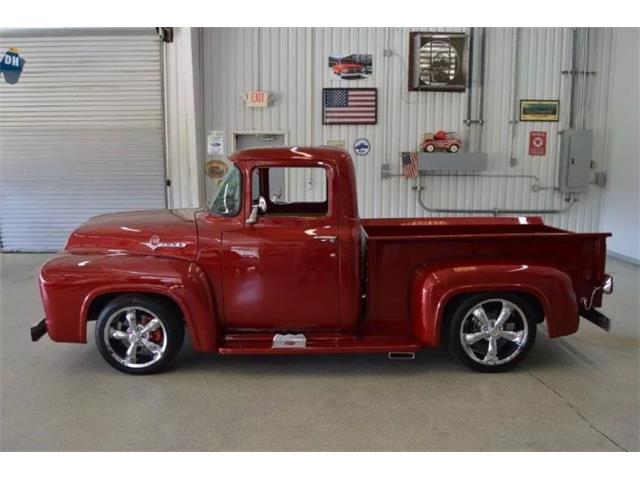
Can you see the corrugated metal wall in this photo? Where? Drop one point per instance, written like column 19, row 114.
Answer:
column 292, row 64
column 183, row 115
column 81, row 133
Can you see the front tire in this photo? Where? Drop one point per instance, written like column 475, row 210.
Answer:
column 139, row 334
column 492, row 332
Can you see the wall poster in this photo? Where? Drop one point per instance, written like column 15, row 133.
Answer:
column 352, row 66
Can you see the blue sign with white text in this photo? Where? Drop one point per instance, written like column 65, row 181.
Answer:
column 11, row 66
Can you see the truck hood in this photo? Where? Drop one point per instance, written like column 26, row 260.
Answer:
column 164, row 233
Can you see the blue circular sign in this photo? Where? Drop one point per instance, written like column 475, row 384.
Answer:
column 361, row 146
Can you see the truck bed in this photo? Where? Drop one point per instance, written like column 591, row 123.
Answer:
column 396, row 247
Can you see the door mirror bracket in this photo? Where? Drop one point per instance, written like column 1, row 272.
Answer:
column 257, row 208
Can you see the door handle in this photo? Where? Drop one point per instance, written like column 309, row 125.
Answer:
column 326, row 238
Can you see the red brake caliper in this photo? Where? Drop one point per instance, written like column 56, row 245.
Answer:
column 156, row 335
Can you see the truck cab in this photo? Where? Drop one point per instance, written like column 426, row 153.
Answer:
column 294, row 254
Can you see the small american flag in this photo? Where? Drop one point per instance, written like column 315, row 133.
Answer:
column 410, row 164
column 342, row 106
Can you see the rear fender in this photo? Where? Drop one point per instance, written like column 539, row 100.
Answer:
column 71, row 282
column 433, row 287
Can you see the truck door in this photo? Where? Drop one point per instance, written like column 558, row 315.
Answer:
column 281, row 273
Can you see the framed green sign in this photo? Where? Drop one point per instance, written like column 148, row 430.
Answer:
column 539, row 110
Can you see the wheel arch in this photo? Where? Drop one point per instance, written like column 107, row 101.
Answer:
column 534, row 299
column 193, row 312
column 71, row 282
column 436, row 292
column 99, row 301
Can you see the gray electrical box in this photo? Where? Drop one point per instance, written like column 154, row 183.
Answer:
column 576, row 155
column 456, row 162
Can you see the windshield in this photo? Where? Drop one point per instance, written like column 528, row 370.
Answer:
column 228, row 200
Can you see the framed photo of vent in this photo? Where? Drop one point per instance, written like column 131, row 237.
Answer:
column 438, row 61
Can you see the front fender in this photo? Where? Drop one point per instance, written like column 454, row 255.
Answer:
column 432, row 287
column 69, row 283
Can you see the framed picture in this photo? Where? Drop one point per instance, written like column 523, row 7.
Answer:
column 539, row 110
column 351, row 66
column 438, row 61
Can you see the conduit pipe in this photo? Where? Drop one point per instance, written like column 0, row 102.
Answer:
column 493, row 211
column 515, row 112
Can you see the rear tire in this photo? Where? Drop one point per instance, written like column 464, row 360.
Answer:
column 139, row 334
column 492, row 332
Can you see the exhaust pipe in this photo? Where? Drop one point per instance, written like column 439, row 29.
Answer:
column 401, row 355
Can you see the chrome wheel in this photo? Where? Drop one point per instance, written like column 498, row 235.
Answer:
column 135, row 337
column 494, row 332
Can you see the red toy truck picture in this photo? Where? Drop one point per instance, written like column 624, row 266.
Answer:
column 441, row 141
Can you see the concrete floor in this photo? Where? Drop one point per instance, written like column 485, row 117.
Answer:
column 577, row 393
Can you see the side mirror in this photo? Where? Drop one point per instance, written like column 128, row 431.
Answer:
column 260, row 207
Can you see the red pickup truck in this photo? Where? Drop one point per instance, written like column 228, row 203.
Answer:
column 255, row 274
column 348, row 70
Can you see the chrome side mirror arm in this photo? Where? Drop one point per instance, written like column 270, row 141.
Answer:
column 260, row 207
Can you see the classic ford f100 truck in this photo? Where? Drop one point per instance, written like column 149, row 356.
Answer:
column 260, row 272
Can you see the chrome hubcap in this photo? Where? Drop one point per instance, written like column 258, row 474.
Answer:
column 135, row 337
column 494, row 331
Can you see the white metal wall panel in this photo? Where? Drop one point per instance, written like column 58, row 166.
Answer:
column 291, row 63
column 81, row 134
column 185, row 142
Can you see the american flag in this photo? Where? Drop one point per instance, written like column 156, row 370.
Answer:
column 410, row 164
column 349, row 106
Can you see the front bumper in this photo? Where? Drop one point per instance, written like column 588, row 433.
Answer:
column 38, row 330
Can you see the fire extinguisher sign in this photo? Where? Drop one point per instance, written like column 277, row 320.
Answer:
column 538, row 143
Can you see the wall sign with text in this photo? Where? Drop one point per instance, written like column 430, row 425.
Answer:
column 538, row 143
column 11, row 65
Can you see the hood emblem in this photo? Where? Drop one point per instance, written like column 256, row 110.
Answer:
column 154, row 242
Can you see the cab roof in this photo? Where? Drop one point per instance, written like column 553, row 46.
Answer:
column 333, row 155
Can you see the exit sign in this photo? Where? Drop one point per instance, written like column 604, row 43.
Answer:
column 257, row 98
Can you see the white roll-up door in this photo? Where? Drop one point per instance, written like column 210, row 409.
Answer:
column 81, row 133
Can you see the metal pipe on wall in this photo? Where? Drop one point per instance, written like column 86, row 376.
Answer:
column 475, row 89
column 516, row 93
column 472, row 35
column 492, row 211
column 483, row 53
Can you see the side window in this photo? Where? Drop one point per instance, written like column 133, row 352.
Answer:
column 292, row 191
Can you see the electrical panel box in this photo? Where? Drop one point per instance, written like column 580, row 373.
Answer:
column 576, row 156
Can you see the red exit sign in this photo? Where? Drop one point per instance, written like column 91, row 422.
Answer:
column 257, row 98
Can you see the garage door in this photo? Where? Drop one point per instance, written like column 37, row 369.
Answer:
column 81, row 133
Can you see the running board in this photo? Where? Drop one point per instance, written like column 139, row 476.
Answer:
column 268, row 344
